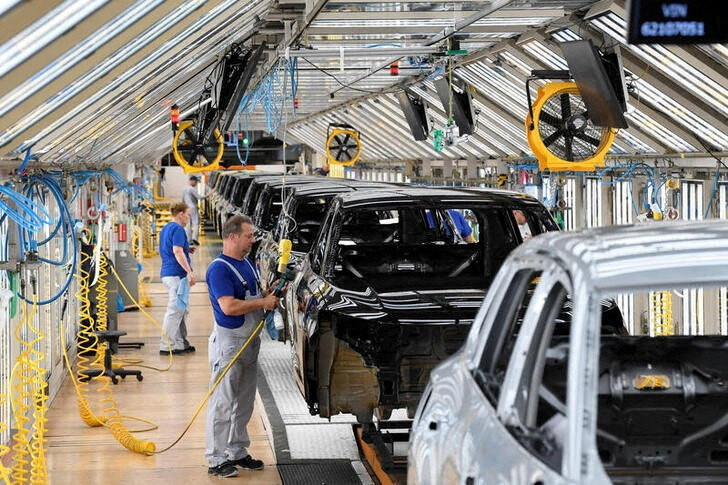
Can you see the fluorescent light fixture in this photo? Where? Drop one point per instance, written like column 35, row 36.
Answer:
column 6, row 5
column 76, row 54
column 45, row 30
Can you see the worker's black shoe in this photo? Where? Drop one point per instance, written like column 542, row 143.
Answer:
column 189, row 349
column 174, row 351
column 248, row 463
column 226, row 470
column 195, row 242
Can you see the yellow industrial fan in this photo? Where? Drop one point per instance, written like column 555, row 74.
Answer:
column 343, row 145
column 196, row 155
column 560, row 133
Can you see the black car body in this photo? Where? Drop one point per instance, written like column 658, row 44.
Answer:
column 389, row 290
column 298, row 219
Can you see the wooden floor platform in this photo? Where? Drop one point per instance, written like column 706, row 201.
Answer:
column 79, row 455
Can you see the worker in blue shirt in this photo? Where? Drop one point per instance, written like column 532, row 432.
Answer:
column 462, row 226
column 238, row 306
column 177, row 276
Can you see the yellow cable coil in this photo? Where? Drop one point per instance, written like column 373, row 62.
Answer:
column 4, row 471
column 116, row 422
column 38, row 469
column 87, row 344
column 4, row 449
column 661, row 314
column 30, row 384
column 144, row 298
column 109, row 406
column 148, row 250
column 19, row 405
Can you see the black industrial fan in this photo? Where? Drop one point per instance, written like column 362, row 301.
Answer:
column 343, row 145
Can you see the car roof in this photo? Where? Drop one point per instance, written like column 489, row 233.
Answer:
column 638, row 257
column 334, row 186
column 436, row 194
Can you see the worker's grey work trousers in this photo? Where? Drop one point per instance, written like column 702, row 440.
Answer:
column 193, row 228
column 231, row 405
column 174, row 326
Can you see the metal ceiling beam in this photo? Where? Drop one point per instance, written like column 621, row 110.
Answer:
column 461, row 25
column 57, row 48
column 521, row 13
column 407, row 29
column 360, row 52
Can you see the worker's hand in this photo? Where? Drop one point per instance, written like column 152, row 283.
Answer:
column 270, row 302
column 274, row 285
column 191, row 278
column 193, row 249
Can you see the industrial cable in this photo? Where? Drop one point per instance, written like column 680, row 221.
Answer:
column 5, row 297
column 68, row 223
column 214, row 386
column 126, row 441
column 661, row 313
column 29, row 443
column 151, row 318
column 31, row 217
column 109, row 406
column 87, row 345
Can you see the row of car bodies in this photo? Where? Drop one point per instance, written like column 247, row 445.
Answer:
column 386, row 286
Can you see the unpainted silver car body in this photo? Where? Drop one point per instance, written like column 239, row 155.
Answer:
column 461, row 434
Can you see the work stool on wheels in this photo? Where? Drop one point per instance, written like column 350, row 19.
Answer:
column 112, row 337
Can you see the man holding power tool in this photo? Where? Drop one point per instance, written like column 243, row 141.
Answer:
column 238, row 305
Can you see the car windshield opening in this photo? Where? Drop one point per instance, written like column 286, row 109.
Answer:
column 423, row 247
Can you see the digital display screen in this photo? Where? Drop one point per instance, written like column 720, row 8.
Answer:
column 677, row 22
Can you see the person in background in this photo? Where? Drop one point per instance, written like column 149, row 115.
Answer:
column 461, row 224
column 322, row 170
column 175, row 252
column 190, row 196
column 523, row 226
column 238, row 305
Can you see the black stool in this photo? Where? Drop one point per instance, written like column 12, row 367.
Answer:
column 112, row 337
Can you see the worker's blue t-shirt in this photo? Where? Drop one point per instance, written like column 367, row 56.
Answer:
column 460, row 223
column 222, row 281
column 172, row 235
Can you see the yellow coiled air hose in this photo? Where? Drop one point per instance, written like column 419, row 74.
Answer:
column 30, row 384
column 151, row 318
column 114, row 419
column 111, row 411
column 136, row 249
column 87, row 344
column 661, row 313
column 4, row 450
column 111, row 417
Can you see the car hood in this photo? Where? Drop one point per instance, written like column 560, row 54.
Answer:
column 421, row 307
